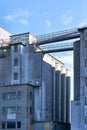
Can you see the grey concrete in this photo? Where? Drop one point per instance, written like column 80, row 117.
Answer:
column 79, row 114
column 77, row 70
column 40, row 78
column 63, row 95
column 68, row 103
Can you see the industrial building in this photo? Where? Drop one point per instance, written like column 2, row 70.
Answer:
column 79, row 105
column 78, row 36
column 34, row 86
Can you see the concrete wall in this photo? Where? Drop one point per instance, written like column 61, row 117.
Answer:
column 77, row 70
column 24, row 102
column 76, row 116
column 5, row 69
column 48, row 77
column 78, row 105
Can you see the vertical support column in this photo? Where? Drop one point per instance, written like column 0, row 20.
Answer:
column 63, row 94
column 77, row 70
column 53, row 89
column 83, row 73
column 58, row 93
column 37, row 104
column 68, row 74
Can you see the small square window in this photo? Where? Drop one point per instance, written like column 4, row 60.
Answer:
column 85, row 62
column 19, row 110
column 85, row 81
column 85, row 43
column 4, row 110
column 30, row 95
column 85, row 119
column 11, row 110
column 85, row 100
column 3, row 96
column 30, row 110
column 15, row 62
column 11, row 95
column 3, row 125
column 18, row 124
column 19, row 95
column 15, row 76
column 16, row 48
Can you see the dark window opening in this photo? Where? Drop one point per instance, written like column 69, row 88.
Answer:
column 16, row 48
column 19, row 110
column 30, row 95
column 3, row 125
column 15, row 62
column 85, row 81
column 85, row 100
column 85, row 43
column 30, row 110
column 85, row 62
column 11, row 124
column 4, row 110
column 3, row 96
column 18, row 124
column 19, row 95
column 15, row 76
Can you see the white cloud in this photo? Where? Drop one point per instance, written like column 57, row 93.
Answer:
column 9, row 18
column 21, row 16
column 67, row 17
column 48, row 23
column 24, row 21
column 82, row 24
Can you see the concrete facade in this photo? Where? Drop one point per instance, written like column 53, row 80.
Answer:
column 34, row 88
column 79, row 105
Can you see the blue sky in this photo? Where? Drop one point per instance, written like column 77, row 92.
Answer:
column 43, row 16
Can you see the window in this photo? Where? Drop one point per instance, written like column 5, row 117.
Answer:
column 19, row 110
column 19, row 95
column 11, row 110
column 85, row 100
column 3, row 125
column 18, row 124
column 11, row 124
column 11, row 95
column 4, row 110
column 30, row 95
column 16, row 48
column 15, row 62
column 85, row 119
column 3, row 96
column 85, row 43
column 30, row 110
column 85, row 62
column 15, row 76
column 85, row 81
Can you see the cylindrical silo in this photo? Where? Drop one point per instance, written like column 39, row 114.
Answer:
column 58, row 93
column 68, row 74
column 63, row 94
column 53, row 91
